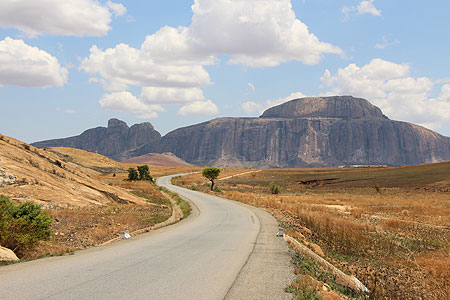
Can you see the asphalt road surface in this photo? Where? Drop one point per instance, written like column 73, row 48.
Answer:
column 198, row 258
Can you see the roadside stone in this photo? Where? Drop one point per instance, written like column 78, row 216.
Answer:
column 7, row 255
column 330, row 296
column 316, row 248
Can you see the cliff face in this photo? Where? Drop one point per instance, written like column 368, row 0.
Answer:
column 111, row 141
column 308, row 132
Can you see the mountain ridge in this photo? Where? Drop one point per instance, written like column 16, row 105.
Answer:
column 304, row 132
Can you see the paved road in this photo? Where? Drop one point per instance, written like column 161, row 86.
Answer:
column 198, row 258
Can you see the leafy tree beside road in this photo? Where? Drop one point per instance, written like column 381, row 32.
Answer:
column 211, row 174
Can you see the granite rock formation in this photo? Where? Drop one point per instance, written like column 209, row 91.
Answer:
column 306, row 132
column 111, row 141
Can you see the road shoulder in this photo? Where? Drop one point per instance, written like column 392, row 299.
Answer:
column 269, row 268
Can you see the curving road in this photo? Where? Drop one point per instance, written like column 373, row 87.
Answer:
column 198, row 258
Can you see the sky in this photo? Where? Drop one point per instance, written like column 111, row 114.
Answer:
column 66, row 66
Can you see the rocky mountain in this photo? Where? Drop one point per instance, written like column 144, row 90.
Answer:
column 111, row 141
column 306, row 132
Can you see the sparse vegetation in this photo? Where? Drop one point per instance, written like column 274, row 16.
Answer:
column 394, row 237
column 132, row 174
column 274, row 188
column 22, row 226
column 211, row 174
column 142, row 173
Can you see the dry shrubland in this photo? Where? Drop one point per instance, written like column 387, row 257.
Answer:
column 389, row 227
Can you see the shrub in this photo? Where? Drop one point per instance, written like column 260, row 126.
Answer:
column 22, row 226
column 274, row 188
column 144, row 173
column 132, row 174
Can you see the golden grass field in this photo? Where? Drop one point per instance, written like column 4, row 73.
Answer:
column 390, row 227
column 84, row 192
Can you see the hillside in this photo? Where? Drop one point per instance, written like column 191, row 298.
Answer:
column 44, row 177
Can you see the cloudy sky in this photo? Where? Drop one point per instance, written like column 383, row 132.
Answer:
column 69, row 65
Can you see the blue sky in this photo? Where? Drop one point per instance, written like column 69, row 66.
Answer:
column 66, row 66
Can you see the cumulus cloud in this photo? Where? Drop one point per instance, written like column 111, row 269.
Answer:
column 27, row 66
column 117, row 8
column 126, row 102
column 391, row 87
column 251, row 107
column 172, row 95
column 367, row 7
column 124, row 66
column 363, row 7
column 170, row 64
column 199, row 108
column 68, row 17
column 262, row 34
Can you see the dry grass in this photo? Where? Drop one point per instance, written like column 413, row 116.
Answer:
column 390, row 227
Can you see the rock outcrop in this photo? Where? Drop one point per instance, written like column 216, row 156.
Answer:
column 307, row 132
column 6, row 178
column 7, row 255
column 111, row 141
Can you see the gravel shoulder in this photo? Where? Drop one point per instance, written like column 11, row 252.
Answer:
column 269, row 268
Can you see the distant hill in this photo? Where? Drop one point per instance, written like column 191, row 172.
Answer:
column 156, row 159
column 306, row 132
column 111, row 141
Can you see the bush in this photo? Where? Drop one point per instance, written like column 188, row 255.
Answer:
column 142, row 173
column 274, row 188
column 132, row 174
column 22, row 226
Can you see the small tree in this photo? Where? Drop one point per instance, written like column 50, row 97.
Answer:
column 144, row 173
column 132, row 174
column 211, row 174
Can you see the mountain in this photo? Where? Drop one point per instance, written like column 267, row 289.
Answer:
column 306, row 132
column 111, row 141
column 157, row 159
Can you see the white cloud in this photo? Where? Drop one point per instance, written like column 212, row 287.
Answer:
column 68, row 17
column 251, row 107
column 125, row 66
column 117, row 8
column 27, row 66
column 367, row 7
column 386, row 43
column 126, row 102
column 199, row 108
column 262, row 34
column 169, row 65
column 363, row 7
column 391, row 87
column 251, row 86
column 171, row 95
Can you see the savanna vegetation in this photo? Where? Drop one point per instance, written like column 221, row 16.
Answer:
column 390, row 227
